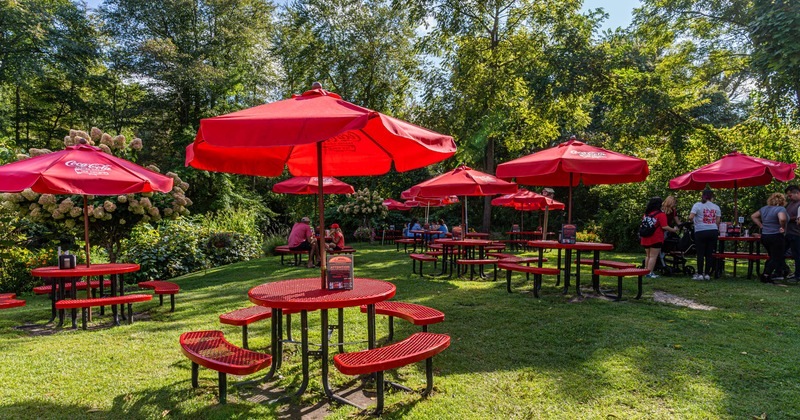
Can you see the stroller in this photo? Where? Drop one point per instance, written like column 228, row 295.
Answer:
column 674, row 251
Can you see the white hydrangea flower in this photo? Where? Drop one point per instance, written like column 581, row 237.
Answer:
column 75, row 212
column 122, row 199
column 105, row 149
column 109, row 206
column 136, row 144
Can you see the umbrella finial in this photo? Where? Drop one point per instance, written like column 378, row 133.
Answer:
column 572, row 137
column 316, row 85
column 82, row 140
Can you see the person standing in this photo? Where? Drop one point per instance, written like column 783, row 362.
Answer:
column 705, row 216
column 772, row 220
column 793, row 227
column 670, row 209
column 301, row 238
column 652, row 244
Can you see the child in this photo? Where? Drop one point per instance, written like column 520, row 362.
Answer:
column 338, row 238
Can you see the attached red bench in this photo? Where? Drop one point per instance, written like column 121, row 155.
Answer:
column 411, row 312
column 210, row 349
column 246, row 316
column 162, row 288
column 421, row 258
column 751, row 259
column 103, row 301
column 537, row 272
column 344, row 250
column 480, row 263
column 622, row 273
column 81, row 285
column 406, row 242
column 606, row 263
column 284, row 250
column 7, row 301
column 417, row 347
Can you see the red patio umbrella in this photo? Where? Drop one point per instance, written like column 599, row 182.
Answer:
column 526, row 200
column 314, row 134
column 429, row 202
column 84, row 170
column 735, row 170
column 395, row 205
column 573, row 162
column 462, row 180
column 310, row 185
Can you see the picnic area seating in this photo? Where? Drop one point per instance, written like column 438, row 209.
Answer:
column 283, row 250
column 411, row 312
column 406, row 242
column 344, row 250
column 419, row 346
column 8, row 300
column 162, row 288
column 605, row 263
column 620, row 274
column 103, row 301
column 421, row 258
column 210, row 349
column 81, row 285
column 537, row 272
column 246, row 316
column 736, row 256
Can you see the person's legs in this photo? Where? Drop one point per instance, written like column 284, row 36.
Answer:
column 711, row 246
column 700, row 244
column 650, row 259
column 775, row 249
column 313, row 255
column 794, row 245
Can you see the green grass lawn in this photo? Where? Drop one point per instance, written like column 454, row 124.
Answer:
column 512, row 355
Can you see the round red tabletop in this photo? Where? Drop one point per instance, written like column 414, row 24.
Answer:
column 476, row 235
column 468, row 242
column 583, row 246
column 81, row 270
column 306, row 294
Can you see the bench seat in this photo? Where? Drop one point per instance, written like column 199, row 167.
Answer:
column 421, row 258
column 537, row 272
column 344, row 250
column 411, row 312
column 622, row 273
column 162, row 288
column 210, row 350
column 283, row 250
column 4, row 296
column 417, row 347
column 81, row 285
column 473, row 263
column 102, row 301
column 740, row 256
column 246, row 316
column 605, row 263
column 11, row 303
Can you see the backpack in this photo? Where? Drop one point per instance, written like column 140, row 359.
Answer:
column 649, row 225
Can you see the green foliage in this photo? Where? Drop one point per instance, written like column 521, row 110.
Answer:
column 272, row 241
column 221, row 248
column 170, row 250
column 15, row 270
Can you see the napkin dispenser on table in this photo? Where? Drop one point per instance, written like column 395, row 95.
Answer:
column 66, row 261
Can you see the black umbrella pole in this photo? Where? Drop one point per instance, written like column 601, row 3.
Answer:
column 321, row 197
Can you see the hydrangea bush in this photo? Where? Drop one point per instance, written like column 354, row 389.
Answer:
column 111, row 219
column 364, row 206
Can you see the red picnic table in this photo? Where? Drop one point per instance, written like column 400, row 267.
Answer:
column 595, row 247
column 306, row 295
column 114, row 270
column 753, row 255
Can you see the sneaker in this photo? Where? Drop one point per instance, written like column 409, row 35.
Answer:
column 651, row 276
column 706, row 277
column 697, row 277
column 777, row 278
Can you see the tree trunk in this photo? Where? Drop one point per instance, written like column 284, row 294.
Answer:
column 487, row 201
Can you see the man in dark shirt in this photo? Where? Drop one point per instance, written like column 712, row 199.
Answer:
column 793, row 227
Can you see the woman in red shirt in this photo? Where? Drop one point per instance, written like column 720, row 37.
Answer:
column 652, row 244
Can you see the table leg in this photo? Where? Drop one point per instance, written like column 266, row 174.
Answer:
column 444, row 260
column 304, row 354
column 53, row 297
column 577, row 272
column 558, row 266
column 102, row 292
column 74, row 294
column 567, row 269
column 595, row 277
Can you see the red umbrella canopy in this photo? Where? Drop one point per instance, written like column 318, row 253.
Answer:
column 572, row 162
column 395, row 205
column 735, row 170
column 355, row 141
column 462, row 180
column 310, row 185
column 527, row 200
column 81, row 169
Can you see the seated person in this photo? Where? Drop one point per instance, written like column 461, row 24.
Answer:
column 414, row 226
column 442, row 228
column 302, row 239
column 338, row 238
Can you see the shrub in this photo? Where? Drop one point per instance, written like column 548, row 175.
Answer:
column 15, row 270
column 272, row 241
column 221, row 248
column 170, row 250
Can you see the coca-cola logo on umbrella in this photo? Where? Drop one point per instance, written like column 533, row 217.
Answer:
column 590, row 155
column 95, row 169
column 345, row 142
column 484, row 178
